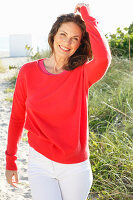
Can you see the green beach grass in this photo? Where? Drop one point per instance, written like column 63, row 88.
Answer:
column 2, row 68
column 111, row 132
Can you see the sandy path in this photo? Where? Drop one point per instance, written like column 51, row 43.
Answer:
column 8, row 192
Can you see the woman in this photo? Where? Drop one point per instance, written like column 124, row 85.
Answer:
column 51, row 102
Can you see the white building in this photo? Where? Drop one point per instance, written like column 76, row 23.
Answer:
column 17, row 44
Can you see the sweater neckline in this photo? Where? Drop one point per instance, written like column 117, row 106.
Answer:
column 45, row 70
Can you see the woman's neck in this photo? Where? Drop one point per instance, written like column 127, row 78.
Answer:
column 58, row 62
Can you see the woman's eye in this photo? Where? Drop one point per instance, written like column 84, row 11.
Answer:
column 75, row 39
column 63, row 34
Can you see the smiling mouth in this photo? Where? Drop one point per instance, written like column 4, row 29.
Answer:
column 64, row 48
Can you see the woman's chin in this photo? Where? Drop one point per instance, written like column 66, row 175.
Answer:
column 62, row 55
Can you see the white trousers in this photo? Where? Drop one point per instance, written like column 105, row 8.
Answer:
column 50, row 180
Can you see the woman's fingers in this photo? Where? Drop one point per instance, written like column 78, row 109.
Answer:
column 76, row 9
column 79, row 5
column 12, row 177
column 16, row 177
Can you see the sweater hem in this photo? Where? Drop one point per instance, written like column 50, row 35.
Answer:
column 39, row 145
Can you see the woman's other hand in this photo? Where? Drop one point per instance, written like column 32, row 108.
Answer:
column 79, row 5
column 12, row 177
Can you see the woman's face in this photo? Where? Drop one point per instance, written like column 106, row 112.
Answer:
column 67, row 39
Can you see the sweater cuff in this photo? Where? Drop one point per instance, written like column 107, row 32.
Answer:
column 85, row 15
column 10, row 162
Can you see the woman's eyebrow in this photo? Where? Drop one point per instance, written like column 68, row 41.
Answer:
column 67, row 33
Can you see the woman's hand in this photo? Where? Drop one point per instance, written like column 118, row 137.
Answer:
column 12, row 177
column 79, row 5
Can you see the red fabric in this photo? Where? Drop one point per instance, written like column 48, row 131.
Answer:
column 54, row 108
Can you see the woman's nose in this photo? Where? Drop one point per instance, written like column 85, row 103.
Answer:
column 67, row 40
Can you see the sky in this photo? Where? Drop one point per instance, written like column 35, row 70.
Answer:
column 37, row 16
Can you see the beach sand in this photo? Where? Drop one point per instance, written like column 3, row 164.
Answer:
column 8, row 192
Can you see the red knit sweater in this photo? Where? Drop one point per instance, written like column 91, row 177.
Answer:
column 54, row 107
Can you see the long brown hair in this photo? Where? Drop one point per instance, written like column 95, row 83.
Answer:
column 84, row 52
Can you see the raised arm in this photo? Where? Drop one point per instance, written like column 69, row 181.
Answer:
column 96, row 68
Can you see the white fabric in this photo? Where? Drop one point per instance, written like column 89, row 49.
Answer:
column 50, row 180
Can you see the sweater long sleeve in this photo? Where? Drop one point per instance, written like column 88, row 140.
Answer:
column 54, row 108
column 96, row 68
column 16, row 122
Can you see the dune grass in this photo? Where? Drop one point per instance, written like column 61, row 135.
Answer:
column 2, row 68
column 11, row 86
column 111, row 131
